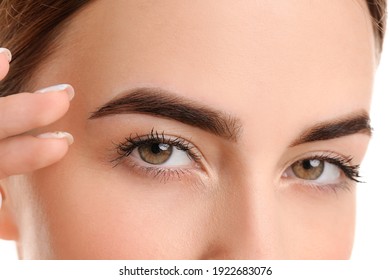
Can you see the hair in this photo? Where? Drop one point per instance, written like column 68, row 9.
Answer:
column 30, row 27
column 378, row 13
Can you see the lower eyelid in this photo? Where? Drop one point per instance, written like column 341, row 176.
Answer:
column 345, row 186
column 306, row 185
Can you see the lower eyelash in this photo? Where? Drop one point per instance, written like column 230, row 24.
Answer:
column 346, row 186
column 162, row 174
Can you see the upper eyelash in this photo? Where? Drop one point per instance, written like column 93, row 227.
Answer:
column 125, row 148
column 351, row 171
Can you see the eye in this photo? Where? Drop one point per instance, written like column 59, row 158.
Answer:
column 323, row 170
column 161, row 154
column 314, row 170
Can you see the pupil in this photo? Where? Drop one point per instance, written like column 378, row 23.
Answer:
column 155, row 148
column 306, row 164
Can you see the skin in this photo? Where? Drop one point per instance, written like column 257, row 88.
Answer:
column 280, row 67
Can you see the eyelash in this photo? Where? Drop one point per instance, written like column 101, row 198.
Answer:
column 344, row 163
column 125, row 148
column 349, row 170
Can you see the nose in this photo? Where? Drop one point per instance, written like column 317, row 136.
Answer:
column 246, row 223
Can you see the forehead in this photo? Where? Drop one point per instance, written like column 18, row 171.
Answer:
column 208, row 31
column 244, row 31
column 250, row 53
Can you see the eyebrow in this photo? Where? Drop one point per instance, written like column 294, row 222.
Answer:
column 344, row 126
column 159, row 102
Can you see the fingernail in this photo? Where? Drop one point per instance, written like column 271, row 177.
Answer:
column 7, row 53
column 68, row 88
column 1, row 199
column 58, row 135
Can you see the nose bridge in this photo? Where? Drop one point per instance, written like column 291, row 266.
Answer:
column 248, row 224
column 259, row 219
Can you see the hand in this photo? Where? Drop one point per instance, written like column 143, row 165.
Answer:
column 23, row 112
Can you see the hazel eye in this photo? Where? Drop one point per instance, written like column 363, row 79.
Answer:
column 155, row 153
column 161, row 154
column 309, row 169
column 316, row 170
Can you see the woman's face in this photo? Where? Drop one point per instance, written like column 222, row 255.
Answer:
column 236, row 136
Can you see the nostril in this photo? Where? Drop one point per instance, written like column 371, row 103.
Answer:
column 216, row 252
column 2, row 197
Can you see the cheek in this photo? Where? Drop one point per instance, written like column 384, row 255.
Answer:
column 318, row 225
column 99, row 212
column 88, row 219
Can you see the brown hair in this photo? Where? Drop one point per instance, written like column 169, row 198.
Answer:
column 378, row 12
column 30, row 27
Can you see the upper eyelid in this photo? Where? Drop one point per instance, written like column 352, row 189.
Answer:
column 154, row 135
column 313, row 154
column 168, row 139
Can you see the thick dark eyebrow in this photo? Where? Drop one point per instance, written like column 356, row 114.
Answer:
column 162, row 103
column 344, row 126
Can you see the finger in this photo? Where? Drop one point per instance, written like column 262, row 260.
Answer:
column 22, row 154
column 5, row 59
column 25, row 111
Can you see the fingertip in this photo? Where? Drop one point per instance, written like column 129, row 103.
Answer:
column 4, row 64
column 27, row 153
column 54, row 150
column 58, row 135
column 7, row 53
column 61, row 87
column 48, row 108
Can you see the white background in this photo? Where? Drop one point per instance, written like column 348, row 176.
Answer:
column 372, row 241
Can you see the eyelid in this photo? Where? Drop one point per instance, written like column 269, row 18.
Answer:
column 126, row 147
column 314, row 154
column 345, row 185
column 137, row 157
column 164, row 173
column 330, row 157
